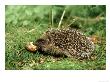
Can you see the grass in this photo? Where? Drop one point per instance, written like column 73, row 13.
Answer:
column 27, row 23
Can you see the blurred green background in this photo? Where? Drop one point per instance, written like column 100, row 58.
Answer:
column 27, row 23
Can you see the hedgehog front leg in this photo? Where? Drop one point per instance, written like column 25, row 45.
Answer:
column 55, row 50
column 59, row 51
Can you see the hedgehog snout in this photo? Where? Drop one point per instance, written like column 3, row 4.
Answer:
column 31, row 47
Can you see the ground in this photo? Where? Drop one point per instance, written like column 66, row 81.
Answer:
column 27, row 23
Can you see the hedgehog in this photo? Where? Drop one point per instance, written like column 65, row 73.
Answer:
column 67, row 41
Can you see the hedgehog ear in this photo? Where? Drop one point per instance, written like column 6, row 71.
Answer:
column 40, row 42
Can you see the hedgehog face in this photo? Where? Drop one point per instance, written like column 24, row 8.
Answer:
column 40, row 44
